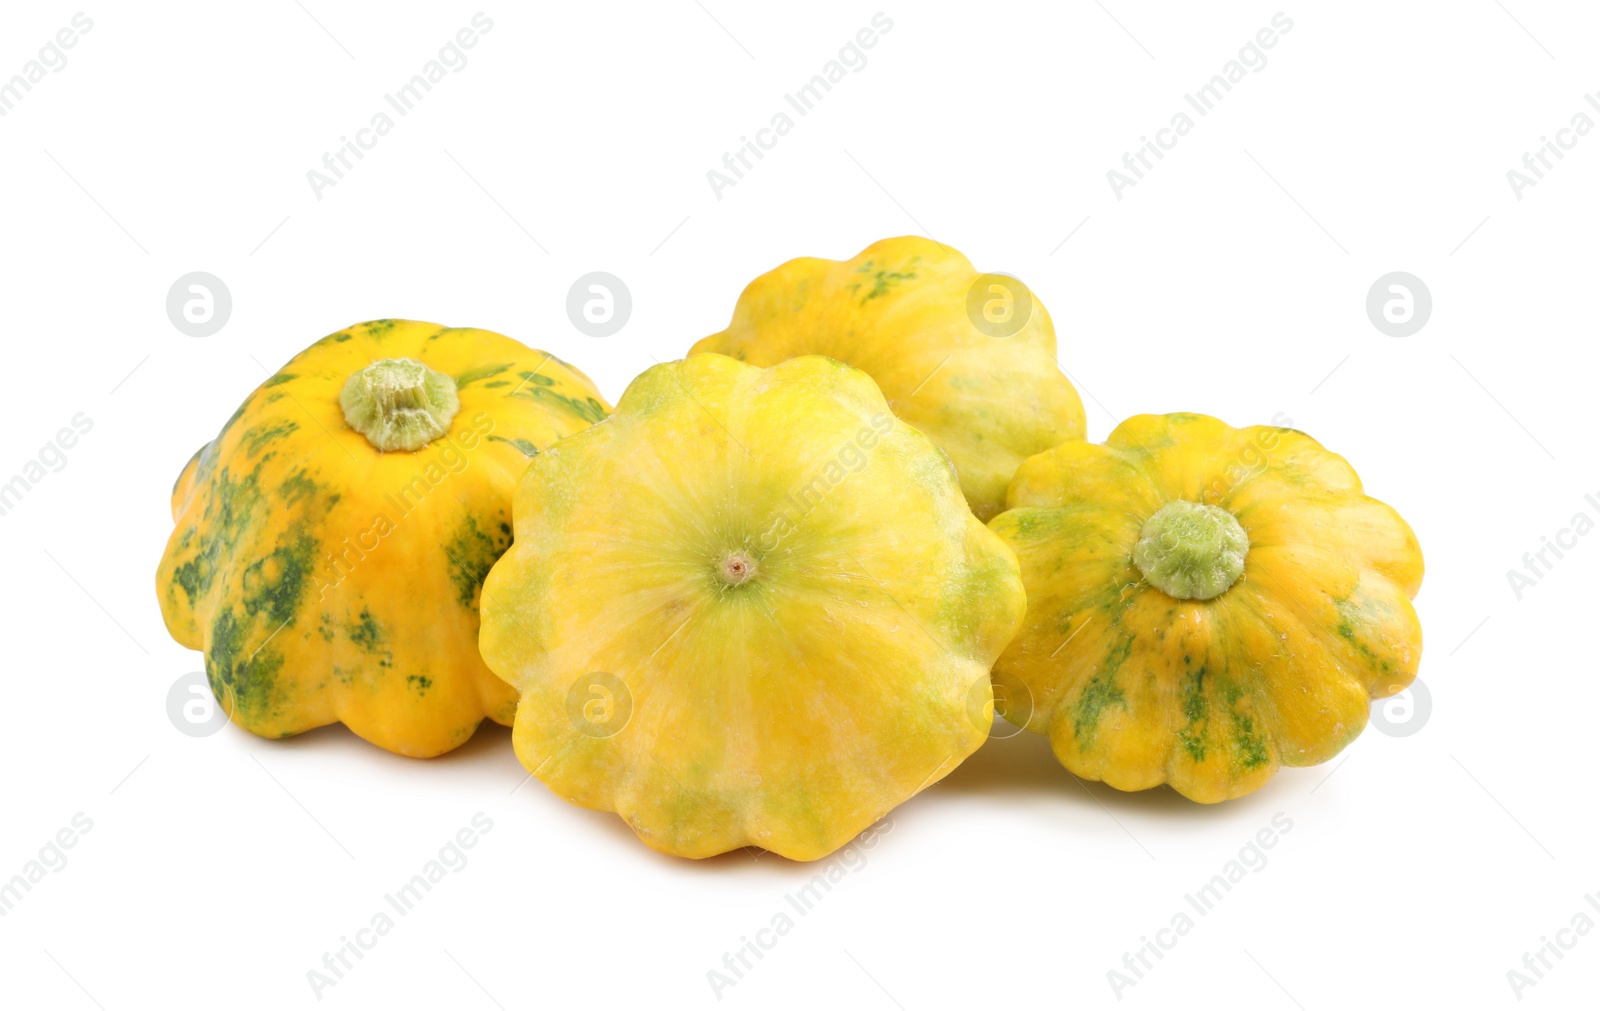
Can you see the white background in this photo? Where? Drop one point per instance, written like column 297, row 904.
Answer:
column 1231, row 281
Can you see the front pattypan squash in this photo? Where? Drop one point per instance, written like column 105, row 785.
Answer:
column 968, row 359
column 1205, row 604
column 332, row 539
column 751, row 608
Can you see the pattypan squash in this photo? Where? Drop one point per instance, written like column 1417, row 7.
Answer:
column 967, row 358
column 751, row 608
column 1205, row 604
column 330, row 542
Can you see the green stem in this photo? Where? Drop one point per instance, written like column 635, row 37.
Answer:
column 1191, row 551
column 399, row 404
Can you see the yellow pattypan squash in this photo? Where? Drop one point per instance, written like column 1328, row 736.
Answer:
column 1205, row 604
column 331, row 540
column 751, row 608
column 968, row 359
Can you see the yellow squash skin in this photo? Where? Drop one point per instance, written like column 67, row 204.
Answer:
column 750, row 608
column 899, row 311
column 326, row 581
column 1138, row 688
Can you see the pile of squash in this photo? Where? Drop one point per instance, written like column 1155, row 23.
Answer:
column 786, row 583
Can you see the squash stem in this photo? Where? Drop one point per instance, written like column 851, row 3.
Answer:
column 737, row 568
column 1191, row 551
column 399, row 404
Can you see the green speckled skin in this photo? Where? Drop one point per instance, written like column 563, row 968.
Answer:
column 326, row 581
column 900, row 312
column 1138, row 688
